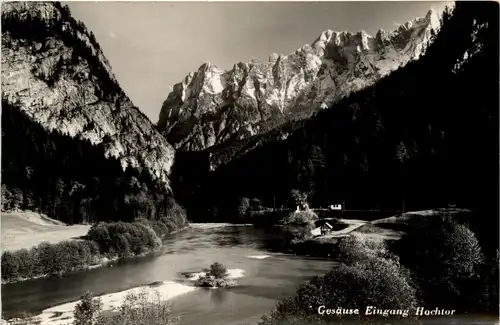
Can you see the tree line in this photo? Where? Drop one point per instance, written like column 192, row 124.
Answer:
column 71, row 180
column 104, row 241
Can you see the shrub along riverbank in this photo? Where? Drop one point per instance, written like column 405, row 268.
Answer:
column 439, row 262
column 372, row 273
column 135, row 308
column 104, row 241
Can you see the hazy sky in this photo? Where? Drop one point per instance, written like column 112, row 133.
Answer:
column 154, row 45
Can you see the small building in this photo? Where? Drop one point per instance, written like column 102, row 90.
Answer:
column 326, row 228
column 302, row 207
column 336, row 207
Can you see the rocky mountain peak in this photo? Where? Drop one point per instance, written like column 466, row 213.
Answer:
column 213, row 106
column 43, row 10
column 54, row 70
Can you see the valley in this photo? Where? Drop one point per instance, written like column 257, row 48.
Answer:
column 264, row 281
column 356, row 171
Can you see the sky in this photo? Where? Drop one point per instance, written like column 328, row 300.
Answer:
column 153, row 45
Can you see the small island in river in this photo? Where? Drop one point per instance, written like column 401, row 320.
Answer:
column 217, row 276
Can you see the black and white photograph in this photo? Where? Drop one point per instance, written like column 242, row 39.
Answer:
column 250, row 163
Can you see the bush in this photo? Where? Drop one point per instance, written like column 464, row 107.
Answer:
column 213, row 282
column 135, row 309
column 352, row 249
column 10, row 265
column 117, row 239
column 218, row 270
column 256, row 204
column 171, row 225
column 215, row 277
column 243, row 207
column 160, row 228
column 88, row 310
column 141, row 236
column 365, row 278
column 27, row 265
column 298, row 197
column 49, row 259
column 175, row 214
column 300, row 218
column 487, row 296
column 296, row 234
column 445, row 258
column 124, row 239
column 45, row 255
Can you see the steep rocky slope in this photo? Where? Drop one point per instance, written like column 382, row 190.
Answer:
column 212, row 106
column 54, row 70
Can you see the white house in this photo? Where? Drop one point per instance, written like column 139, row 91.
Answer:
column 336, row 207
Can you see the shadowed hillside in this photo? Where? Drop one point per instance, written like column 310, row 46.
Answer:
column 71, row 180
column 426, row 135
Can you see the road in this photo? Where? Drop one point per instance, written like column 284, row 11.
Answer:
column 353, row 225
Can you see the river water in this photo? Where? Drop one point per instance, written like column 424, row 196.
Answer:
column 266, row 280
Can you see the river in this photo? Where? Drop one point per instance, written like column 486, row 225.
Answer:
column 269, row 276
column 266, row 280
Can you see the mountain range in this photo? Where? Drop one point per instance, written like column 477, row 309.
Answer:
column 212, row 106
column 329, row 113
column 423, row 137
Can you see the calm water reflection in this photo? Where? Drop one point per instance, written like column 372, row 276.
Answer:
column 265, row 281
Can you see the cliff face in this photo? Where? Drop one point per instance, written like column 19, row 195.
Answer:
column 54, row 70
column 212, row 106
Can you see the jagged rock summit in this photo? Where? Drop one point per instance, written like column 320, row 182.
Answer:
column 211, row 106
column 54, row 70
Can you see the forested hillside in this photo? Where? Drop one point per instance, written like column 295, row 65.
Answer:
column 426, row 135
column 71, row 180
column 73, row 144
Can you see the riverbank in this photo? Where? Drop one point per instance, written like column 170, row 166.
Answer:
column 101, row 262
column 218, row 225
column 269, row 276
column 308, row 240
column 400, row 270
column 157, row 291
column 63, row 314
column 102, row 244
column 382, row 230
column 98, row 262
